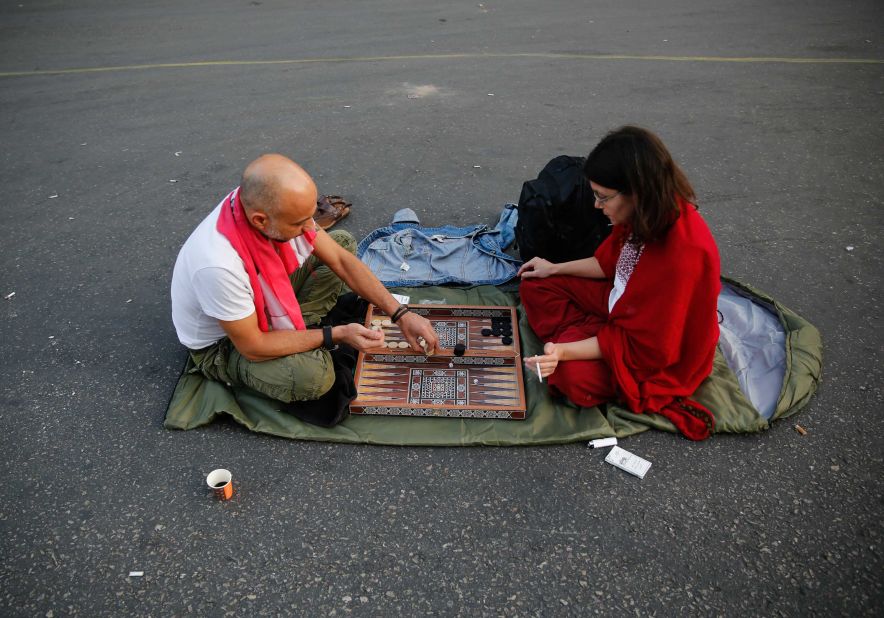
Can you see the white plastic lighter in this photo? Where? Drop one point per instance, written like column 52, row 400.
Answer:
column 603, row 442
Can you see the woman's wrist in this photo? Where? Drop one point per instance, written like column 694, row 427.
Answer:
column 559, row 350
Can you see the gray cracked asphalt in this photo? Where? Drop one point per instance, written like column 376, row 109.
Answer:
column 787, row 160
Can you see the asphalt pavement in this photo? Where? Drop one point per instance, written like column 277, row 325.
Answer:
column 123, row 123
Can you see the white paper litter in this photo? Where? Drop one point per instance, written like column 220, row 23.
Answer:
column 136, row 573
column 602, row 442
column 628, row 462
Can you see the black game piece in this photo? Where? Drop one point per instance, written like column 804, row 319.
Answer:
column 486, row 332
column 506, row 340
column 459, row 349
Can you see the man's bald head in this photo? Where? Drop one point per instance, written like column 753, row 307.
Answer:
column 277, row 193
column 271, row 180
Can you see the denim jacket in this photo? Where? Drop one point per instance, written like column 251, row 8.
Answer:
column 406, row 254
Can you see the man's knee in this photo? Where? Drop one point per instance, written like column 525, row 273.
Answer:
column 344, row 239
column 313, row 374
column 297, row 377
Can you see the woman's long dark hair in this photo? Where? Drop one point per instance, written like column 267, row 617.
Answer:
column 635, row 162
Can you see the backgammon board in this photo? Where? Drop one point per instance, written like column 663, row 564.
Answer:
column 485, row 382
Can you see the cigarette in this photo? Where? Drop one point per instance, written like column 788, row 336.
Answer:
column 537, row 366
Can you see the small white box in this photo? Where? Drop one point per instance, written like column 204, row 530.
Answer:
column 625, row 460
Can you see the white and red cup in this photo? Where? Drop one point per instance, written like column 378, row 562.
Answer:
column 221, row 482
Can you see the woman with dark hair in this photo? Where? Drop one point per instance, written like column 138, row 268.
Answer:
column 635, row 323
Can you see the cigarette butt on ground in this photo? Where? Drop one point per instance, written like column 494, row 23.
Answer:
column 801, row 430
column 136, row 573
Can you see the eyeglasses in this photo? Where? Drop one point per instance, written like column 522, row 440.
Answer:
column 602, row 199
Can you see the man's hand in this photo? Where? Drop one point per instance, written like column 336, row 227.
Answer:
column 413, row 326
column 537, row 268
column 357, row 336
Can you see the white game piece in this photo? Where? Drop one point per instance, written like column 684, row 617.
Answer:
column 392, row 344
column 376, row 322
column 386, row 323
column 403, row 344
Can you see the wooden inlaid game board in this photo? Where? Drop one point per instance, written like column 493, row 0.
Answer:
column 485, row 382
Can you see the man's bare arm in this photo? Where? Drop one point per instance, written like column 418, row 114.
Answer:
column 353, row 272
column 257, row 345
column 361, row 280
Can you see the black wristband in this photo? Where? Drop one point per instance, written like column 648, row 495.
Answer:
column 327, row 341
column 395, row 315
column 402, row 310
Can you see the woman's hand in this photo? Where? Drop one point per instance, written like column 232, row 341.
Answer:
column 547, row 362
column 537, row 268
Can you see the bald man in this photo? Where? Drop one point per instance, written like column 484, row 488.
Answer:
column 256, row 277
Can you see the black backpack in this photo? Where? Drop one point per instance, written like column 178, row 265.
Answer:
column 557, row 219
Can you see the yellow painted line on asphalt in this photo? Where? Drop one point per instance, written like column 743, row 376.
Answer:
column 477, row 56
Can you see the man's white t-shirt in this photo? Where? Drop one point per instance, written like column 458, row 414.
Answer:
column 210, row 283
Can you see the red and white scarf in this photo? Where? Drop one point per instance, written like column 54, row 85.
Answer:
column 274, row 261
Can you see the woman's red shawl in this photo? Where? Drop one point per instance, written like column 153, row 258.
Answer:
column 660, row 338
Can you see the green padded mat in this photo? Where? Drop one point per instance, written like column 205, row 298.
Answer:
column 197, row 401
